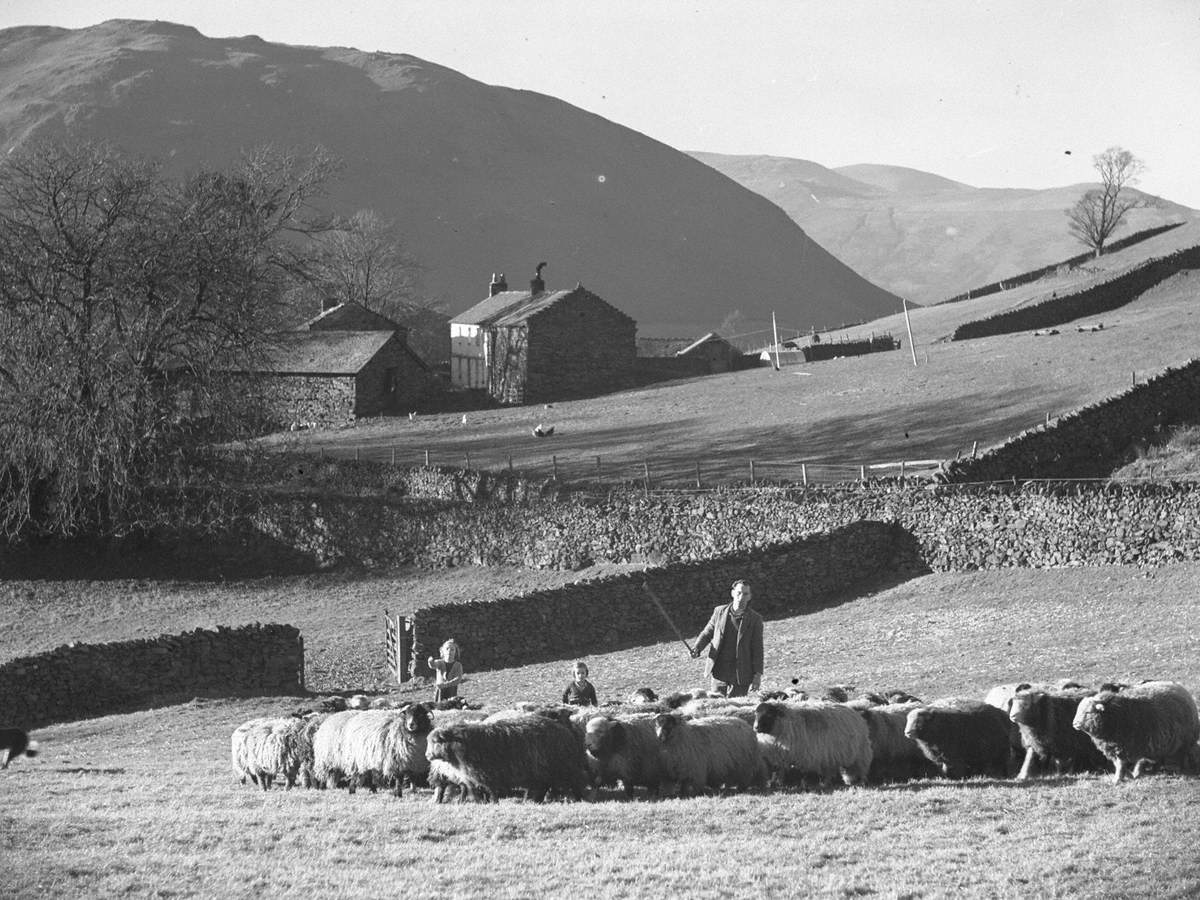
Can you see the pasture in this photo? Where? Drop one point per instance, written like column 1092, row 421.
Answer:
column 145, row 804
column 845, row 412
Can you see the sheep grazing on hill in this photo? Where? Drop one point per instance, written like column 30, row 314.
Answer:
column 372, row 748
column 1154, row 722
column 1045, row 720
column 265, row 749
column 627, row 750
column 964, row 737
column 504, row 754
column 894, row 755
column 709, row 752
column 1001, row 695
column 816, row 738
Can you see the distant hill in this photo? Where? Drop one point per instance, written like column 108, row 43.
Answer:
column 481, row 179
column 920, row 235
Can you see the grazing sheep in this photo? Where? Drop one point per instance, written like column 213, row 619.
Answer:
column 964, row 737
column 709, row 752
column 517, row 750
column 16, row 742
column 373, row 748
column 1151, row 722
column 643, row 695
column 720, row 706
column 815, row 737
column 257, row 751
column 627, row 750
column 1002, row 694
column 894, row 755
column 444, row 778
column 1045, row 720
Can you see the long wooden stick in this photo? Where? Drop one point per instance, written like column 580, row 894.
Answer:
column 658, row 603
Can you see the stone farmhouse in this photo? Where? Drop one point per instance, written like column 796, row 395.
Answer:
column 345, row 364
column 538, row 345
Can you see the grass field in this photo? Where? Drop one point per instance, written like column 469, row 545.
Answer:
column 143, row 804
column 847, row 412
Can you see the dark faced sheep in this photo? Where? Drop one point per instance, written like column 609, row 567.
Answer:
column 501, row 755
column 964, row 737
column 372, row 748
column 815, row 737
column 1045, row 719
column 626, row 749
column 1154, row 722
column 894, row 755
column 709, row 752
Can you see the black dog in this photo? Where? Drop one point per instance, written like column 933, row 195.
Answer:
column 16, row 742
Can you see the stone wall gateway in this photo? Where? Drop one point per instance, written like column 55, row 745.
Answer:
column 76, row 681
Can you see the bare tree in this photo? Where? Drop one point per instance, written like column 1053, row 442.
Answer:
column 117, row 287
column 1100, row 212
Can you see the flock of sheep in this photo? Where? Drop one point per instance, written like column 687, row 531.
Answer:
column 688, row 743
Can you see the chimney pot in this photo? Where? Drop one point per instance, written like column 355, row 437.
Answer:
column 497, row 285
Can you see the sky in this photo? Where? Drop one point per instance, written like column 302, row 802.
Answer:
column 1012, row 93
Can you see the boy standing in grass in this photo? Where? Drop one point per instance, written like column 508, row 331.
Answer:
column 447, row 672
column 580, row 692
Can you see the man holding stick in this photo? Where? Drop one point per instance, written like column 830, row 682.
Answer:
column 734, row 638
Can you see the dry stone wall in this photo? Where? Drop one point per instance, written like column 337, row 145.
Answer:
column 81, row 680
column 616, row 612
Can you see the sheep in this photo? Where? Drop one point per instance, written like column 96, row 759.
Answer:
column 964, row 737
column 894, row 755
column 444, row 777
column 711, row 751
column 17, row 742
column 374, row 747
column 626, row 749
column 643, row 695
column 1002, row 694
column 1151, row 722
column 1045, row 721
column 516, row 750
column 258, row 750
column 740, row 707
column 815, row 737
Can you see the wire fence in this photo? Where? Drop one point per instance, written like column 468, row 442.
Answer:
column 649, row 472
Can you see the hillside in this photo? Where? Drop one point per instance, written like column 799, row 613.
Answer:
column 481, row 179
column 920, row 235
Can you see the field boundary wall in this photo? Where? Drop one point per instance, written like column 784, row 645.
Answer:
column 1110, row 294
column 78, row 681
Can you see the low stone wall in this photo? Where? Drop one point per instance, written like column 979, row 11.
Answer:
column 1093, row 441
column 76, row 681
column 613, row 613
column 1111, row 294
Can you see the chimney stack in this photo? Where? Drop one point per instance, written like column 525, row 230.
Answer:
column 497, row 285
column 536, row 284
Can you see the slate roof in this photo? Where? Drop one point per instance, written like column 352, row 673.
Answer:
column 711, row 337
column 358, row 312
column 324, row 352
column 515, row 307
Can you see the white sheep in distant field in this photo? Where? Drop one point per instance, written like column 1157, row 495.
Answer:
column 894, row 755
column 511, row 751
column 965, row 736
column 815, row 737
column 626, row 749
column 372, row 748
column 1152, row 722
column 709, row 752
column 1046, row 722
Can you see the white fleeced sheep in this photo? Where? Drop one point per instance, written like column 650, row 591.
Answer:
column 372, row 748
column 709, row 752
column 265, row 749
column 965, row 737
column 894, row 755
column 1153, row 722
column 1046, row 722
column 1001, row 695
column 626, row 749
column 512, row 751
column 816, row 738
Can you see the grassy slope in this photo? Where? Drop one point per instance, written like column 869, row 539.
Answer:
column 144, row 803
column 852, row 411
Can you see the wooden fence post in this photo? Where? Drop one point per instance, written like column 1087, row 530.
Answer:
column 427, row 458
column 697, row 474
column 646, row 477
column 467, row 458
column 752, row 471
column 804, row 474
column 974, row 447
column 862, row 473
column 554, row 466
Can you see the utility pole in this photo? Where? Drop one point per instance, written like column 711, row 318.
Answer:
column 775, row 332
column 907, row 324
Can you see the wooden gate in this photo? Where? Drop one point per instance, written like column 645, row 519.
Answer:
column 398, row 640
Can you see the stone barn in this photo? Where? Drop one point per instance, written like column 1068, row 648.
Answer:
column 712, row 354
column 538, row 345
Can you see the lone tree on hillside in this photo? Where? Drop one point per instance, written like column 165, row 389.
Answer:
column 1100, row 212
column 122, row 292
